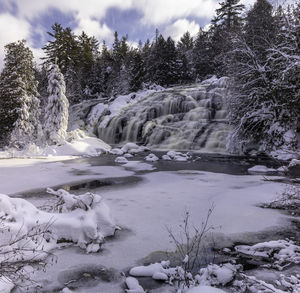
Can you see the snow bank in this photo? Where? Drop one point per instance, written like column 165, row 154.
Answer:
column 77, row 144
column 84, row 220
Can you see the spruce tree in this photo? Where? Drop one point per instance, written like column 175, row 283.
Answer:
column 19, row 102
column 56, row 117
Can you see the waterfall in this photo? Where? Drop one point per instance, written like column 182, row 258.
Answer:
column 183, row 118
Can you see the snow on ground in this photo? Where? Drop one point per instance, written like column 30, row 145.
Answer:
column 84, row 220
column 77, row 144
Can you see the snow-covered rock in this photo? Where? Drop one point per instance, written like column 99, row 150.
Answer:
column 116, row 151
column 151, row 158
column 121, row 160
column 281, row 251
column 217, row 274
column 133, row 285
column 294, row 163
column 147, row 271
column 166, row 158
column 261, row 169
column 84, row 220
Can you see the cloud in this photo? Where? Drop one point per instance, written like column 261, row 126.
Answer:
column 179, row 27
column 94, row 28
column 159, row 12
column 11, row 30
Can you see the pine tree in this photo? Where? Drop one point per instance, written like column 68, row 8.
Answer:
column 56, row 119
column 19, row 102
column 260, row 28
column 224, row 26
column 203, row 55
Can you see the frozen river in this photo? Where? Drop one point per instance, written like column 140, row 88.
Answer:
column 144, row 199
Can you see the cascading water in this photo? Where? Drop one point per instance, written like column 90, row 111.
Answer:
column 183, row 118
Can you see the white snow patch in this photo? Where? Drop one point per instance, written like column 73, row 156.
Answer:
column 260, row 169
column 151, row 158
column 133, row 285
column 121, row 160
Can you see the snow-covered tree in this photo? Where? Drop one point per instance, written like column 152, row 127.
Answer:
column 264, row 103
column 56, row 119
column 19, row 102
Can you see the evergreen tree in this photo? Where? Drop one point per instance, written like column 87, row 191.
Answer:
column 203, row 55
column 19, row 103
column 224, row 26
column 185, row 48
column 56, row 117
column 260, row 28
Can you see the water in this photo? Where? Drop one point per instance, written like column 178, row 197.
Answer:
column 182, row 118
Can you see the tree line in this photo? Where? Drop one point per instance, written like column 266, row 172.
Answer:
column 258, row 49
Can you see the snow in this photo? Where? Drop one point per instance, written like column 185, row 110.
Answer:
column 176, row 156
column 121, row 160
column 204, row 289
column 294, row 163
column 5, row 285
column 147, row 271
column 151, row 158
column 133, row 148
column 282, row 251
column 116, row 151
column 217, row 274
column 85, row 220
column 115, row 107
column 260, row 169
column 133, row 285
column 139, row 166
column 79, row 144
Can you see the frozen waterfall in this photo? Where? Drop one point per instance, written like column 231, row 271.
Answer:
column 184, row 118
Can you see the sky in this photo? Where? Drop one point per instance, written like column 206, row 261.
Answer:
column 32, row 19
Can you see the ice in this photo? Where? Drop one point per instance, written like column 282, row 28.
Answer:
column 47, row 172
column 204, row 289
column 5, row 285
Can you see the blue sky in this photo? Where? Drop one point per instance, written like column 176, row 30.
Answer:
column 31, row 19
